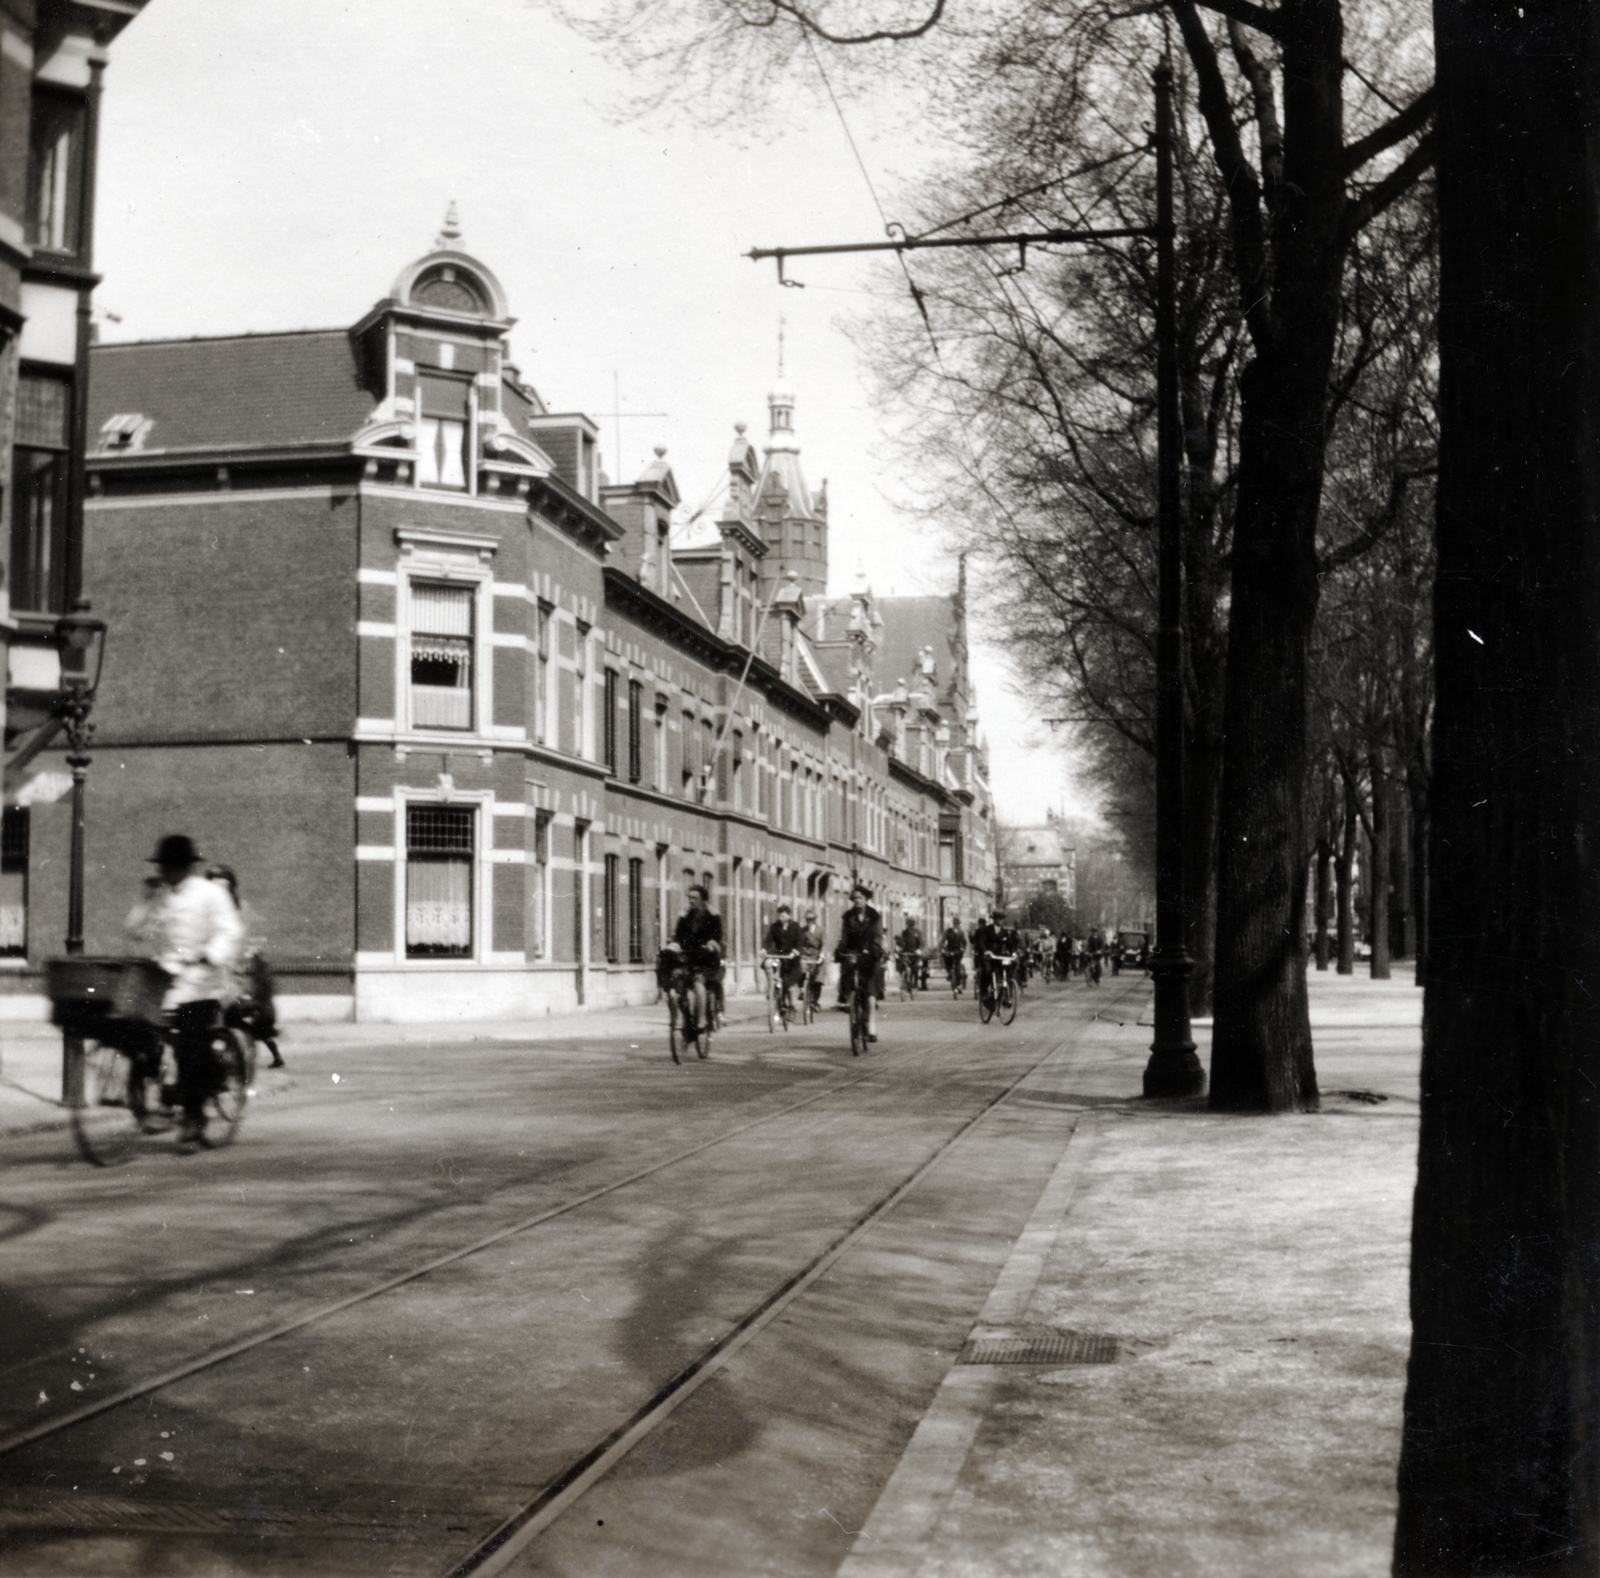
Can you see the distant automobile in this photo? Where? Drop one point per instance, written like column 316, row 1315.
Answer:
column 1132, row 951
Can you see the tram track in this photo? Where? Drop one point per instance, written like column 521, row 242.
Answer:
column 493, row 1554
column 559, row 1491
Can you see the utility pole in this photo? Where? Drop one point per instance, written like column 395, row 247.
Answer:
column 1173, row 1069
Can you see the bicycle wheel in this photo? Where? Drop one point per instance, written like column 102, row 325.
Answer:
column 109, row 1105
column 675, row 1028
column 234, row 1052
column 985, row 1006
column 858, row 1024
column 1008, row 1002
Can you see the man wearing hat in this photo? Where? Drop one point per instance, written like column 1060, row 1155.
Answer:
column 861, row 933
column 191, row 929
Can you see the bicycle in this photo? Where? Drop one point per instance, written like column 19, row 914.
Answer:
column 1000, row 996
column 905, row 965
column 858, row 986
column 780, row 1006
column 956, row 973
column 810, row 991
column 689, row 1016
column 121, row 1058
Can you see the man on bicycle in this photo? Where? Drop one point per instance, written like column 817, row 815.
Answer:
column 908, row 947
column 811, row 940
column 951, row 947
column 861, row 934
column 698, row 936
column 782, row 941
column 191, row 929
column 992, row 936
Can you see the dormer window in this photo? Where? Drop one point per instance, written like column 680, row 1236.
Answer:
column 444, row 429
column 451, row 288
column 125, row 430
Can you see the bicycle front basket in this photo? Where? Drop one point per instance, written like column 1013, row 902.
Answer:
column 84, row 987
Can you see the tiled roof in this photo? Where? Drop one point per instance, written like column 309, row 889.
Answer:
column 909, row 625
column 253, row 389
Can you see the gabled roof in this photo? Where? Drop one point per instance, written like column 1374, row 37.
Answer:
column 249, row 390
column 909, row 625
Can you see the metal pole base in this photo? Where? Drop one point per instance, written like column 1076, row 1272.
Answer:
column 1173, row 1069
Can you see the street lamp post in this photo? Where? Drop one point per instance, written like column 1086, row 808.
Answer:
column 1173, row 1069
column 82, row 640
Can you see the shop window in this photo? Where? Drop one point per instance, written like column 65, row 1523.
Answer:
column 439, row 860
column 444, row 420
column 14, row 831
column 55, row 172
column 41, row 465
column 441, row 655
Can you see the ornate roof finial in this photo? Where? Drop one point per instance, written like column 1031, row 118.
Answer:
column 449, row 231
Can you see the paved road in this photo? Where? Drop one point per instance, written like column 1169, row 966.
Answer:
column 396, row 1434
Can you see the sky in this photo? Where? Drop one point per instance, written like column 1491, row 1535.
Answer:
column 274, row 167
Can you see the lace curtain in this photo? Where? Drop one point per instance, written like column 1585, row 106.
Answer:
column 439, row 904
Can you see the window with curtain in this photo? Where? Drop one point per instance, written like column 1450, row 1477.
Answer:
column 439, row 858
column 40, row 467
column 55, row 171
column 539, row 899
column 608, row 726
column 441, row 655
column 444, row 417
column 14, row 882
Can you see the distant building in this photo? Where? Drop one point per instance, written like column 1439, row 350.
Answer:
column 1037, row 862
column 52, row 58
column 463, row 718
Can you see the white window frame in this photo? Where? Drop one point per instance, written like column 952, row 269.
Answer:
column 482, row 803
column 439, row 571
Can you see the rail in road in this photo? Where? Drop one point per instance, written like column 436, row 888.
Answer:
column 931, row 1101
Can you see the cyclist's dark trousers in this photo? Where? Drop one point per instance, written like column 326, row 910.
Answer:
column 193, row 1025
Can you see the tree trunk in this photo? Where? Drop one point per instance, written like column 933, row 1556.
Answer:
column 1204, row 783
column 1419, row 869
column 1498, row 1469
column 1261, row 1040
column 1402, row 917
column 1324, row 899
column 1379, row 868
column 1344, row 880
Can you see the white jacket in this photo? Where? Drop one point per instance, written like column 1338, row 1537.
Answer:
column 193, row 932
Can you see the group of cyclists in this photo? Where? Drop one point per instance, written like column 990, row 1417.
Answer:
column 690, row 970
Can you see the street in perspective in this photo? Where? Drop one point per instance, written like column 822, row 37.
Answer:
column 799, row 788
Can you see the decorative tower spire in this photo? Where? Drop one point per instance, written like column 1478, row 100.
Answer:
column 449, row 236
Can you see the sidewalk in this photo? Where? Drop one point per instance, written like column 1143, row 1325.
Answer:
column 1243, row 1420
column 30, row 1053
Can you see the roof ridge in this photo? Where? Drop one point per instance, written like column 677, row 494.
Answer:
column 214, row 339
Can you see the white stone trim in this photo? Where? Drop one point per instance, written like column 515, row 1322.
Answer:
column 377, row 628
column 376, row 803
column 365, row 577
column 377, row 852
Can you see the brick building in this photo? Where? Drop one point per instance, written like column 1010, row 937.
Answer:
column 52, row 59
column 462, row 716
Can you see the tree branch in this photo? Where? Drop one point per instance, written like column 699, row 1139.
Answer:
column 1396, row 129
column 1267, row 124
column 798, row 13
column 1394, row 185
column 1243, row 187
column 1251, row 15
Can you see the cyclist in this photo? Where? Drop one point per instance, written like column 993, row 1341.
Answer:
column 698, row 936
column 251, row 1002
column 908, row 951
column 993, row 936
column 951, row 948
column 811, row 940
column 782, row 941
column 861, row 933
column 191, row 929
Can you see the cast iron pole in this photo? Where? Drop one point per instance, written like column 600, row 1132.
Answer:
column 1173, row 1069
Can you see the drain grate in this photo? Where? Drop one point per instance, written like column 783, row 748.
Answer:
column 1060, row 1347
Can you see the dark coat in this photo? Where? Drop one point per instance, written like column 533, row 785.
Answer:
column 861, row 933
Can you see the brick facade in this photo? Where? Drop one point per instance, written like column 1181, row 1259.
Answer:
column 450, row 710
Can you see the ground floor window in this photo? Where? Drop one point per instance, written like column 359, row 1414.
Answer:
column 439, row 860
column 613, row 864
column 635, row 911
column 14, row 883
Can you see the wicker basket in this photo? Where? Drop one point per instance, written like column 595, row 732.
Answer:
column 83, row 988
